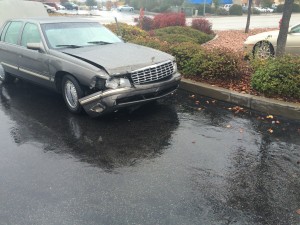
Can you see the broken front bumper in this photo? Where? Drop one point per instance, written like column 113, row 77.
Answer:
column 110, row 100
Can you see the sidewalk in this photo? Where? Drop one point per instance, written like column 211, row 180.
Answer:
column 262, row 104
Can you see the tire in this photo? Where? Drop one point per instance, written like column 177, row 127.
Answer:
column 263, row 50
column 5, row 77
column 72, row 92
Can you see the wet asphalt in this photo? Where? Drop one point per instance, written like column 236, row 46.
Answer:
column 184, row 160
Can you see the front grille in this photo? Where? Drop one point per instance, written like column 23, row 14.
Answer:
column 153, row 73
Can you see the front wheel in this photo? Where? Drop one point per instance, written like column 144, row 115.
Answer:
column 72, row 92
column 263, row 50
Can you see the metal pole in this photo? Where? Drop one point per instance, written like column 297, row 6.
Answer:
column 204, row 8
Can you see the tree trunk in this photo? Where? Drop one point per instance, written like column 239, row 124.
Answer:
column 284, row 27
column 248, row 16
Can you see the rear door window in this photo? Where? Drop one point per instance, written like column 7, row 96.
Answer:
column 13, row 32
column 4, row 31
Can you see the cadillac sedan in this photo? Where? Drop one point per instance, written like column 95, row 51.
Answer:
column 264, row 45
column 90, row 66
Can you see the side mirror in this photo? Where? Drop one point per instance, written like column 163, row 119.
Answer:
column 36, row 46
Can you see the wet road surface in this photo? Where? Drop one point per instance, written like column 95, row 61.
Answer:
column 185, row 160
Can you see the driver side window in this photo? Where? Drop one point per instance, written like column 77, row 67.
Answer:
column 31, row 34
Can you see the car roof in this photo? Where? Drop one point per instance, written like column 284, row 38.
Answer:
column 43, row 20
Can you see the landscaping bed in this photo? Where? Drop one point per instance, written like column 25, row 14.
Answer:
column 233, row 40
column 216, row 58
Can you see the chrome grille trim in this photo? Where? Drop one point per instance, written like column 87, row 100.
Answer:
column 152, row 73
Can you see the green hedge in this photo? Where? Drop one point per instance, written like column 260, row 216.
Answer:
column 236, row 10
column 184, row 53
column 216, row 64
column 296, row 8
column 127, row 32
column 279, row 76
column 178, row 34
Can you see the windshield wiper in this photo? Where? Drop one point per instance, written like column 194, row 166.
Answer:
column 99, row 42
column 69, row 46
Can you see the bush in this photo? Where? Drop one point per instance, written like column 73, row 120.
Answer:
column 215, row 64
column 202, row 25
column 177, row 38
column 222, row 12
column 200, row 9
column 279, row 76
column 279, row 8
column 127, row 32
column 184, row 53
column 168, row 19
column 182, row 34
column 146, row 23
column 255, row 11
column 236, row 10
column 296, row 8
column 152, row 42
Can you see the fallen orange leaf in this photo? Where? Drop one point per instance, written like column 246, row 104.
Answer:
column 270, row 130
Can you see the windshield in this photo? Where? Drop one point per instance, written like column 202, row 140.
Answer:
column 78, row 34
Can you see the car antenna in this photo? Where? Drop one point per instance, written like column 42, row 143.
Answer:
column 119, row 31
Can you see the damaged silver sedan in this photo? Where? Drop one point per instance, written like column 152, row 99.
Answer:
column 92, row 67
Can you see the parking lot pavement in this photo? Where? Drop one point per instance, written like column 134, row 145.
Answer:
column 218, row 22
column 184, row 160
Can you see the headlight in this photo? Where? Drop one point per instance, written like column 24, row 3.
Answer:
column 174, row 67
column 115, row 83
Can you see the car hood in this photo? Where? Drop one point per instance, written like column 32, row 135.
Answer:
column 119, row 58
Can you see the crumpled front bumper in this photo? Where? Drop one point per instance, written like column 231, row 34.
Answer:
column 100, row 103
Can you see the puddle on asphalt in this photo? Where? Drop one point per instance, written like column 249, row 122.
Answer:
column 185, row 160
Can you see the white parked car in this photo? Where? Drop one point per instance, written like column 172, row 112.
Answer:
column 50, row 9
column 126, row 8
column 60, row 7
column 264, row 45
column 268, row 10
column 260, row 9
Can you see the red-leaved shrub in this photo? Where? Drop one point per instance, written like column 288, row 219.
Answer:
column 168, row 19
column 146, row 23
column 202, row 25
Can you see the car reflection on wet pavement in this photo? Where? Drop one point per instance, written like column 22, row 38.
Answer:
column 184, row 160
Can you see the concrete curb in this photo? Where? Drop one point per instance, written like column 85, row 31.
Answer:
column 262, row 104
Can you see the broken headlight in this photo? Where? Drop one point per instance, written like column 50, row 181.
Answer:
column 115, row 83
column 174, row 67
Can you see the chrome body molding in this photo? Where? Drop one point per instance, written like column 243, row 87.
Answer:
column 9, row 65
column 35, row 74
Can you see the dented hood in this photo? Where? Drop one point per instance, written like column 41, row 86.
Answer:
column 119, row 58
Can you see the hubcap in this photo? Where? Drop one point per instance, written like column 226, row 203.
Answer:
column 264, row 51
column 71, row 94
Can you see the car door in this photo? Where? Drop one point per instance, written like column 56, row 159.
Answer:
column 293, row 41
column 33, row 64
column 9, row 47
